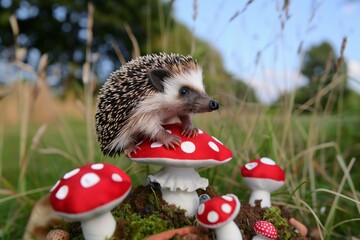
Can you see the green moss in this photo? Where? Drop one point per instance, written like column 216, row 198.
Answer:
column 145, row 213
column 140, row 228
column 274, row 215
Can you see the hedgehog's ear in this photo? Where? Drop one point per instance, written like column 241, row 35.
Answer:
column 157, row 77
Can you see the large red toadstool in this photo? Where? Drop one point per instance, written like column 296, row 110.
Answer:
column 218, row 213
column 262, row 176
column 88, row 194
column 178, row 179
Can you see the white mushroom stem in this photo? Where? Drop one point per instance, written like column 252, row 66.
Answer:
column 229, row 231
column 188, row 201
column 262, row 195
column 99, row 227
column 178, row 186
column 261, row 237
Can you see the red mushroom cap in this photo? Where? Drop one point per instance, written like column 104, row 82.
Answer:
column 218, row 211
column 266, row 229
column 263, row 168
column 89, row 190
column 199, row 151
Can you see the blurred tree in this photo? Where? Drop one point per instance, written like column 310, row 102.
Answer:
column 321, row 68
column 327, row 78
column 59, row 29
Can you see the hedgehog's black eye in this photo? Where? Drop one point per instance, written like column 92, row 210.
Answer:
column 184, row 91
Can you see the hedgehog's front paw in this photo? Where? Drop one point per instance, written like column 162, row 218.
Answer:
column 170, row 141
column 131, row 148
column 190, row 131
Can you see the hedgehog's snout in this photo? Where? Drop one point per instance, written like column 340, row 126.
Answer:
column 213, row 105
column 204, row 104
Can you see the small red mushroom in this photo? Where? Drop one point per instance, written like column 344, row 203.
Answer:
column 264, row 230
column 178, row 179
column 88, row 194
column 218, row 213
column 262, row 176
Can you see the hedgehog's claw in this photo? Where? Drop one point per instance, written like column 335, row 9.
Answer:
column 190, row 132
column 171, row 141
column 131, row 148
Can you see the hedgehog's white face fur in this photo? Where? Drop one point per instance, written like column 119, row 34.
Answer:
column 192, row 79
column 182, row 94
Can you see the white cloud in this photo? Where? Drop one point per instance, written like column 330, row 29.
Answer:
column 349, row 7
column 271, row 84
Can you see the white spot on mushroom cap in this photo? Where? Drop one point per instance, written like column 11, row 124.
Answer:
column 226, row 208
column 213, row 217
column 97, row 166
column 267, row 161
column 89, row 179
column 217, row 140
column 213, row 146
column 200, row 131
column 71, row 173
column 116, row 177
column 156, row 145
column 62, row 192
column 188, row 147
column 227, row 198
column 251, row 165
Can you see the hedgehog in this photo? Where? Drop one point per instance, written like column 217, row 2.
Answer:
column 146, row 93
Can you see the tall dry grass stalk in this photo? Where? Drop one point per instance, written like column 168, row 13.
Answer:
column 193, row 38
column 2, row 137
column 89, row 85
column 136, row 49
column 26, row 100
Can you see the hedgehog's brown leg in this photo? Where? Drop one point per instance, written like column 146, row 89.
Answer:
column 188, row 129
column 169, row 141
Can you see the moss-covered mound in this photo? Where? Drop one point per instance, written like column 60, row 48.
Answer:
column 145, row 213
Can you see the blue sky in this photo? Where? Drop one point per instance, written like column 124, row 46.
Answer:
column 258, row 30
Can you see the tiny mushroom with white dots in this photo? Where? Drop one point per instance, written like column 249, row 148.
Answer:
column 88, row 194
column 218, row 213
column 264, row 231
column 178, row 179
column 262, row 176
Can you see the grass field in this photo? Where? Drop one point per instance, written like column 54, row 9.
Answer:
column 317, row 151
